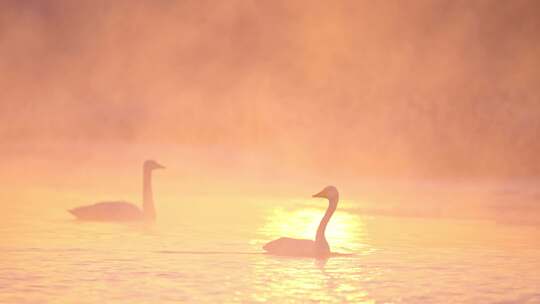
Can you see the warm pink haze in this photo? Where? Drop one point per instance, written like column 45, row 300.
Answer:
column 424, row 115
column 421, row 88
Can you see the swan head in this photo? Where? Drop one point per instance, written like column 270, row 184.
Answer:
column 329, row 192
column 152, row 165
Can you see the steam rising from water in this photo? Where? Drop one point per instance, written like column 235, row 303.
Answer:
column 358, row 88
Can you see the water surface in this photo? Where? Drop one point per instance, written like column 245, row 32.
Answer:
column 203, row 250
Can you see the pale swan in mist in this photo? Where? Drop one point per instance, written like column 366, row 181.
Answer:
column 122, row 211
column 307, row 248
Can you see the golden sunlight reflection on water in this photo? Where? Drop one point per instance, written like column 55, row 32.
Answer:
column 286, row 279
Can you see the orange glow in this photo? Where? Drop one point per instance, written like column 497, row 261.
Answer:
column 424, row 114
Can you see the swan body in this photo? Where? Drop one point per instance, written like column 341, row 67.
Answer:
column 308, row 248
column 108, row 211
column 122, row 211
column 291, row 247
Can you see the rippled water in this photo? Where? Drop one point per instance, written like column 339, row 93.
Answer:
column 198, row 252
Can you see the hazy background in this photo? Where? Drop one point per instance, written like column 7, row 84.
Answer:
column 307, row 92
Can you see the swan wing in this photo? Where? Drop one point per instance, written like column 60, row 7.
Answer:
column 291, row 247
column 108, row 211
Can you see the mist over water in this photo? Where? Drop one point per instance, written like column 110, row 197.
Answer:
column 351, row 88
column 424, row 114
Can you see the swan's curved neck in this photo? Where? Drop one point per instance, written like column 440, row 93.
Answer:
column 320, row 238
column 148, row 201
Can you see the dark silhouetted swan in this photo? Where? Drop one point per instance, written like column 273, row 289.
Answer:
column 122, row 211
column 308, row 248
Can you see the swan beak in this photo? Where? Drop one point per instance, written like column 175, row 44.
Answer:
column 158, row 166
column 320, row 194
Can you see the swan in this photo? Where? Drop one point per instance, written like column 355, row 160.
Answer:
column 307, row 248
column 122, row 211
